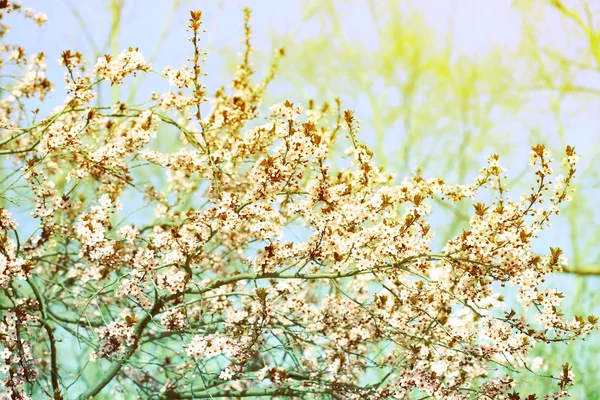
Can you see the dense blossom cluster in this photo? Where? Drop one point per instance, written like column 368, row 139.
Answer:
column 191, row 249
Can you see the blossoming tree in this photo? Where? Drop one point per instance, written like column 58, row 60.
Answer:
column 252, row 268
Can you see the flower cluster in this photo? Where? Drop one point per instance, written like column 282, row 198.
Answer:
column 115, row 70
column 174, row 320
column 16, row 359
column 11, row 265
column 115, row 337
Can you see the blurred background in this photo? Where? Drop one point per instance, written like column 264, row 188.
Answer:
column 437, row 85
